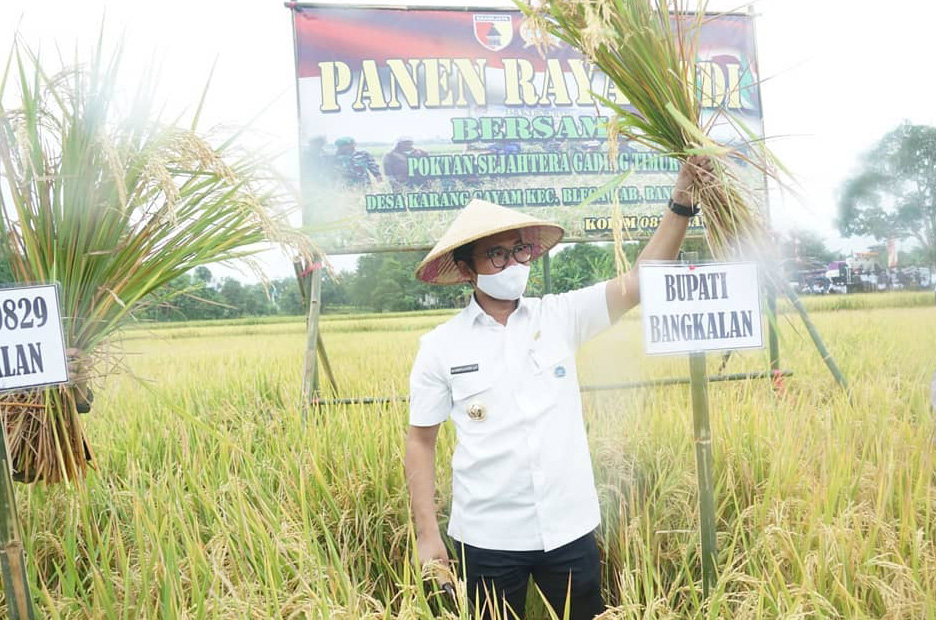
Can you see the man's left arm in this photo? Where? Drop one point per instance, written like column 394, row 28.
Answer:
column 623, row 292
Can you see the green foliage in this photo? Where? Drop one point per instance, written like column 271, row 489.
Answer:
column 197, row 297
column 804, row 250
column 6, row 271
column 379, row 283
column 581, row 265
column 202, row 274
column 183, row 299
column 113, row 207
column 808, row 246
column 334, row 293
column 915, row 256
column 288, row 298
column 894, row 194
column 387, row 283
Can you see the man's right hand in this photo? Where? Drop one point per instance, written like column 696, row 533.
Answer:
column 420, row 476
column 429, row 547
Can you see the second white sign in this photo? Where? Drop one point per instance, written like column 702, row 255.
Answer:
column 707, row 307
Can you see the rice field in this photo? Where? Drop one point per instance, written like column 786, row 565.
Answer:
column 213, row 498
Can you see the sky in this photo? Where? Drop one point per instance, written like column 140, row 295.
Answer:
column 837, row 76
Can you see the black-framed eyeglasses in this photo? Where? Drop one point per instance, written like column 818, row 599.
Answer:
column 500, row 256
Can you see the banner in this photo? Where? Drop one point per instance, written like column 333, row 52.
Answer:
column 892, row 253
column 407, row 114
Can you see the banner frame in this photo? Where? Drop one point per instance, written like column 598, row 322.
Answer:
column 640, row 233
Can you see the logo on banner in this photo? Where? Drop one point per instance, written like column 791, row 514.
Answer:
column 494, row 32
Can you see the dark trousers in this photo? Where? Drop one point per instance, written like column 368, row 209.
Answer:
column 495, row 578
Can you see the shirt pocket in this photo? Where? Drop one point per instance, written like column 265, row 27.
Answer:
column 471, row 398
column 552, row 364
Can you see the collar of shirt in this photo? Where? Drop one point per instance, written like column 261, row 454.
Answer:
column 474, row 311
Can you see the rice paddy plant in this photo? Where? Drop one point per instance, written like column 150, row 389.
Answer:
column 103, row 197
column 214, row 501
column 648, row 48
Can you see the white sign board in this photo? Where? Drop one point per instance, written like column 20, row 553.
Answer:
column 32, row 345
column 708, row 307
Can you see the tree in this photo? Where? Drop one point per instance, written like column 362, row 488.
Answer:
column 894, row 195
column 697, row 245
column 257, row 300
column 912, row 257
column 202, row 274
column 387, row 282
column 804, row 249
column 395, row 286
column 289, row 298
column 6, row 273
column 233, row 296
column 584, row 264
column 164, row 304
column 365, row 279
column 581, row 265
column 335, row 290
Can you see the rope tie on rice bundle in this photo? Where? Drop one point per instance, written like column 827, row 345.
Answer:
column 79, row 371
column 33, row 430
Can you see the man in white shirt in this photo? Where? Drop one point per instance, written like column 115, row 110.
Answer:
column 503, row 370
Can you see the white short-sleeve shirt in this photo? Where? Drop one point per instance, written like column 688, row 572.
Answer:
column 521, row 472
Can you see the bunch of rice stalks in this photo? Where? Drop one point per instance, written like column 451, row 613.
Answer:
column 648, row 48
column 111, row 209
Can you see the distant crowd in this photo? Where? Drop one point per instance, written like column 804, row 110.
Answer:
column 838, row 277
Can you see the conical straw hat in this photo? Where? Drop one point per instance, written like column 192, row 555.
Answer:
column 477, row 220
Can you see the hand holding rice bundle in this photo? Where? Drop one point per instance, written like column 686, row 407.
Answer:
column 648, row 48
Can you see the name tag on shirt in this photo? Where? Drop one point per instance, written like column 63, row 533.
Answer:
column 460, row 370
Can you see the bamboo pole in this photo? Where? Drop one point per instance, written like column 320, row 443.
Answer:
column 547, row 276
column 703, row 443
column 816, row 338
column 305, row 290
column 773, row 343
column 632, row 385
column 326, row 365
column 12, row 559
column 310, row 378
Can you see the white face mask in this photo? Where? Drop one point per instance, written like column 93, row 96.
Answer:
column 507, row 284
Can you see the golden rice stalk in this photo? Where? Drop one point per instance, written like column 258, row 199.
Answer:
column 648, row 49
column 112, row 209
